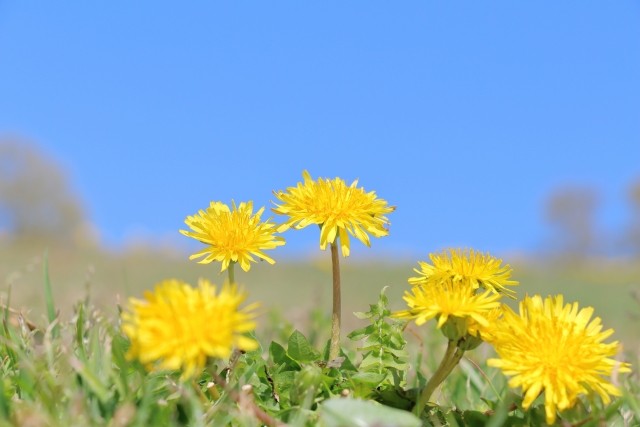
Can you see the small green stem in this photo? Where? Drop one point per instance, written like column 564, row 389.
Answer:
column 232, row 276
column 451, row 358
column 486, row 378
column 334, row 349
column 199, row 393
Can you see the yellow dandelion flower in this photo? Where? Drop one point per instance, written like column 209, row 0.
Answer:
column 447, row 299
column 471, row 267
column 486, row 332
column 232, row 234
column 554, row 348
column 338, row 208
column 180, row 327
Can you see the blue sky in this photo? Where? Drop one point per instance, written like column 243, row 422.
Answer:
column 463, row 114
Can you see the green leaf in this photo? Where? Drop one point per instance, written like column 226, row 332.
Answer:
column 374, row 310
column 536, row 416
column 253, row 354
column 362, row 315
column 279, row 356
column 359, row 334
column 282, row 381
column 397, row 340
column 48, row 295
column 384, row 301
column 474, row 418
column 326, row 351
column 393, row 399
column 373, row 339
column 360, row 413
column 397, row 353
column 389, row 361
column 365, row 388
column 370, row 378
column 375, row 348
column 4, row 402
column 300, row 350
column 370, row 360
column 347, row 365
column 576, row 413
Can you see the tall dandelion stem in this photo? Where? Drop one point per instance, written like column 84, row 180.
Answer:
column 232, row 276
column 449, row 361
column 334, row 350
column 236, row 353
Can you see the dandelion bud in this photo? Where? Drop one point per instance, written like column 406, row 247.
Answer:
column 469, row 342
column 455, row 328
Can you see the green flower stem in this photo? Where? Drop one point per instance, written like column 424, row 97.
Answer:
column 334, row 350
column 451, row 358
column 201, row 396
column 232, row 276
column 235, row 355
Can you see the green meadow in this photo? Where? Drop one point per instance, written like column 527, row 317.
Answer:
column 293, row 288
column 64, row 358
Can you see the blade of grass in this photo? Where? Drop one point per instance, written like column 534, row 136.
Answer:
column 5, row 329
column 632, row 402
column 486, row 378
column 6, row 309
column 48, row 294
column 121, row 363
column 4, row 404
column 91, row 380
column 8, row 341
column 80, row 333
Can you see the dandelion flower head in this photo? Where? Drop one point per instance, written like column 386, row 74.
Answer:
column 340, row 210
column 232, row 234
column 555, row 348
column 486, row 331
column 179, row 326
column 473, row 268
column 448, row 299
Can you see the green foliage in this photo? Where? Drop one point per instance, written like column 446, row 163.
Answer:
column 80, row 375
column 383, row 348
column 382, row 372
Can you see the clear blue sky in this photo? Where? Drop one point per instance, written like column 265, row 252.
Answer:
column 463, row 114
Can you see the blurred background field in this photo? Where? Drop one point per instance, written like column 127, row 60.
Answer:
column 298, row 291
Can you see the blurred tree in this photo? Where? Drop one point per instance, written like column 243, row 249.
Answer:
column 632, row 237
column 35, row 198
column 571, row 212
